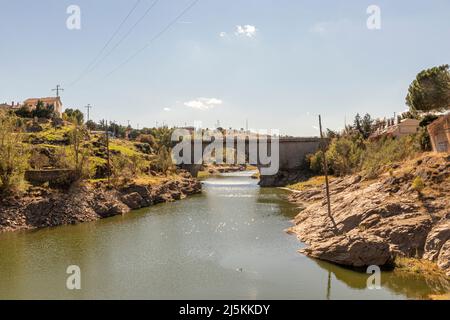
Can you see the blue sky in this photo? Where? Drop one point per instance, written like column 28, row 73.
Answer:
column 304, row 58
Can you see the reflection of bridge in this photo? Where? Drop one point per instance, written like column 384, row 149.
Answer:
column 291, row 155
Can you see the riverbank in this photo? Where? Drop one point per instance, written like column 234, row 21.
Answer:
column 379, row 220
column 44, row 207
column 214, row 170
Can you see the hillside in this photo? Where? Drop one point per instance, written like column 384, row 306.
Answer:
column 402, row 213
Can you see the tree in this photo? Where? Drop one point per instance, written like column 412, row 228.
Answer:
column 366, row 126
column 79, row 150
column 43, row 111
column 357, row 123
column 24, row 112
column 91, row 125
column 430, row 91
column 163, row 137
column 331, row 134
column 38, row 160
column 164, row 160
column 74, row 116
column 13, row 154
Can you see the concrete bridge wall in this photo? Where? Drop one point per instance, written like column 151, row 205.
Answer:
column 294, row 150
column 292, row 154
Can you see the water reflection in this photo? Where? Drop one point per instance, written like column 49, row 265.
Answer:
column 412, row 286
column 227, row 243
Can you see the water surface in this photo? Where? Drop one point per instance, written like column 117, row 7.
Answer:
column 227, row 243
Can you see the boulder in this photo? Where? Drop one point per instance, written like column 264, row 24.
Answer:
column 351, row 250
column 436, row 239
column 134, row 200
column 443, row 260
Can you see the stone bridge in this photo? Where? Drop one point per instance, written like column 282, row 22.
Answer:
column 291, row 156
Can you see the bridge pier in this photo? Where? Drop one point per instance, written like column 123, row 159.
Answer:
column 193, row 169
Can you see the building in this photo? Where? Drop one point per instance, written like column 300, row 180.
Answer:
column 403, row 128
column 439, row 131
column 7, row 106
column 55, row 101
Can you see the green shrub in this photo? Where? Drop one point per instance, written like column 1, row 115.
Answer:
column 424, row 139
column 163, row 160
column 344, row 155
column 418, row 184
column 315, row 162
column 380, row 154
column 13, row 154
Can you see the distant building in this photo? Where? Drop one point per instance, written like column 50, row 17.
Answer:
column 7, row 106
column 54, row 101
column 4, row 106
column 190, row 129
column 439, row 131
column 403, row 128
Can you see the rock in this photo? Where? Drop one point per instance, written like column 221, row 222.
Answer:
column 134, row 200
column 443, row 260
column 142, row 190
column 436, row 239
column 35, row 127
column 51, row 207
column 284, row 178
column 378, row 219
column 353, row 250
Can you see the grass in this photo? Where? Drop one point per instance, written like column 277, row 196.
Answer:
column 445, row 296
column 313, row 182
column 154, row 180
column 418, row 266
column 51, row 134
column 125, row 148
column 203, row 175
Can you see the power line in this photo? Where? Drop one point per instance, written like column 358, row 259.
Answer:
column 159, row 34
column 125, row 36
column 86, row 70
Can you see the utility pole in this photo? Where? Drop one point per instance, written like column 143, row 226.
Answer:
column 88, row 107
column 107, row 151
column 327, row 184
column 114, row 128
column 58, row 89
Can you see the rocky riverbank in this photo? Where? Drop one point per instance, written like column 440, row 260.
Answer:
column 379, row 220
column 43, row 207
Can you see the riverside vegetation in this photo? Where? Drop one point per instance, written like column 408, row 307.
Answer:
column 104, row 181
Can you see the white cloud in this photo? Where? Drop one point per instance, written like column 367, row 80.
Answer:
column 167, row 109
column 222, row 34
column 203, row 103
column 247, row 31
column 324, row 27
column 320, row 28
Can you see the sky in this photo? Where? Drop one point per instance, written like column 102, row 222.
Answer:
column 277, row 63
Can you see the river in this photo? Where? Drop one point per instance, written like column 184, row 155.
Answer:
column 227, row 243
